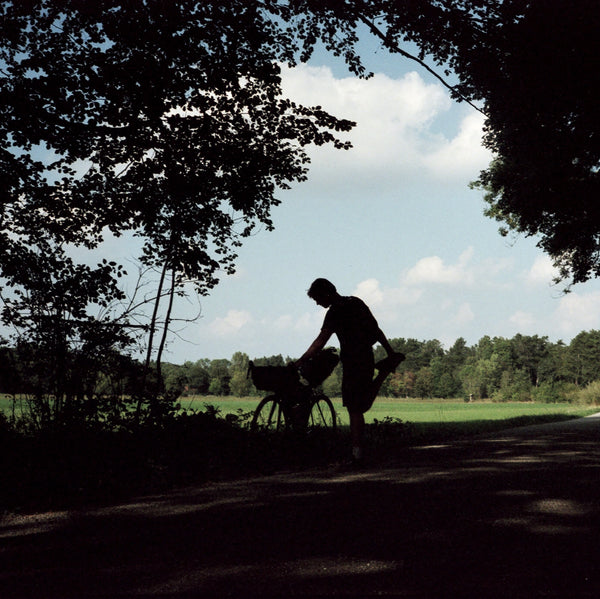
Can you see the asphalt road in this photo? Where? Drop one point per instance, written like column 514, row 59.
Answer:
column 511, row 515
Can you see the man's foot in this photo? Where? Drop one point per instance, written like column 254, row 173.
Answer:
column 390, row 363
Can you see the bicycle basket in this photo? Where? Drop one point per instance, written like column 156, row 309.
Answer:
column 318, row 368
column 273, row 378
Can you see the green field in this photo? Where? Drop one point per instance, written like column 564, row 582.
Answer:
column 414, row 411
column 417, row 411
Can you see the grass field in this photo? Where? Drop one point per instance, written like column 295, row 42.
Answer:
column 414, row 411
column 417, row 411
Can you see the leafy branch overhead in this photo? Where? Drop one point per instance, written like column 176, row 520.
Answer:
column 165, row 119
column 533, row 69
column 162, row 120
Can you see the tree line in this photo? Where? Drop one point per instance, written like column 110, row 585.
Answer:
column 523, row 368
column 107, row 390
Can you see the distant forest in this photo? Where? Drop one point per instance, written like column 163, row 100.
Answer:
column 524, row 368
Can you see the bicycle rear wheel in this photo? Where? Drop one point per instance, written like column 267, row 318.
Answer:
column 269, row 415
column 322, row 413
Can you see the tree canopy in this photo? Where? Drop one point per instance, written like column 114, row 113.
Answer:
column 167, row 120
column 164, row 120
column 533, row 68
column 161, row 118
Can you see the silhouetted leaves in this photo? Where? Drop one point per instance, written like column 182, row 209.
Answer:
column 161, row 119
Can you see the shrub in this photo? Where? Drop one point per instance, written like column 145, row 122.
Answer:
column 514, row 386
column 589, row 395
column 553, row 392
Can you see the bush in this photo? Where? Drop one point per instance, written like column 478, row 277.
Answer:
column 514, row 386
column 388, row 435
column 69, row 465
column 556, row 392
column 589, row 395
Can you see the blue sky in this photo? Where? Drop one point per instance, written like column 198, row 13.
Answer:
column 392, row 221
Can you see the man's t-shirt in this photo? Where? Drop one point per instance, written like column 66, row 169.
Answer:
column 356, row 328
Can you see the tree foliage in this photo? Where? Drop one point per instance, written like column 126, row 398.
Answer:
column 533, row 69
column 161, row 120
column 523, row 368
column 165, row 119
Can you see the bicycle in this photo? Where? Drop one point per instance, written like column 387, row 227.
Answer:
column 295, row 404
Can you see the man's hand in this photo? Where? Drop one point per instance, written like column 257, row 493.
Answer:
column 315, row 347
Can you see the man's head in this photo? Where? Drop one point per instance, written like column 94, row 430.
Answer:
column 323, row 292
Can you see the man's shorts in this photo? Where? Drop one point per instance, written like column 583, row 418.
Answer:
column 357, row 377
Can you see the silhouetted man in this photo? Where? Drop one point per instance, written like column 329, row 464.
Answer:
column 357, row 331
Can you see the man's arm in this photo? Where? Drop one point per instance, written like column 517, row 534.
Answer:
column 384, row 342
column 315, row 347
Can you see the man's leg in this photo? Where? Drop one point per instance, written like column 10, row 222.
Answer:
column 357, row 433
column 384, row 368
column 356, row 382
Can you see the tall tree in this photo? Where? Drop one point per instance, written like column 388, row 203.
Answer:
column 529, row 352
column 220, row 377
column 240, row 384
column 198, row 376
column 165, row 120
column 533, row 69
column 583, row 357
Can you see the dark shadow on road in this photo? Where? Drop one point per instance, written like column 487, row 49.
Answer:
column 513, row 515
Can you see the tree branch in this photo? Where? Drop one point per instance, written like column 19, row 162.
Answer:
column 394, row 47
column 165, row 330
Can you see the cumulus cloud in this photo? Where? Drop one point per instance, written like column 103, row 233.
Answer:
column 370, row 292
column 433, row 270
column 395, row 123
column 542, row 271
column 577, row 312
column 463, row 152
column 232, row 323
column 387, row 303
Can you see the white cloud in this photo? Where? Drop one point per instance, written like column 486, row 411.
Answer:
column 542, row 271
column 577, row 312
column 395, row 135
column 370, row 292
column 232, row 323
column 388, row 303
column 433, row 270
column 407, row 103
column 464, row 152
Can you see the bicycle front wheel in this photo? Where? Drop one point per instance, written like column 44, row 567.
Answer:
column 322, row 413
column 269, row 415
